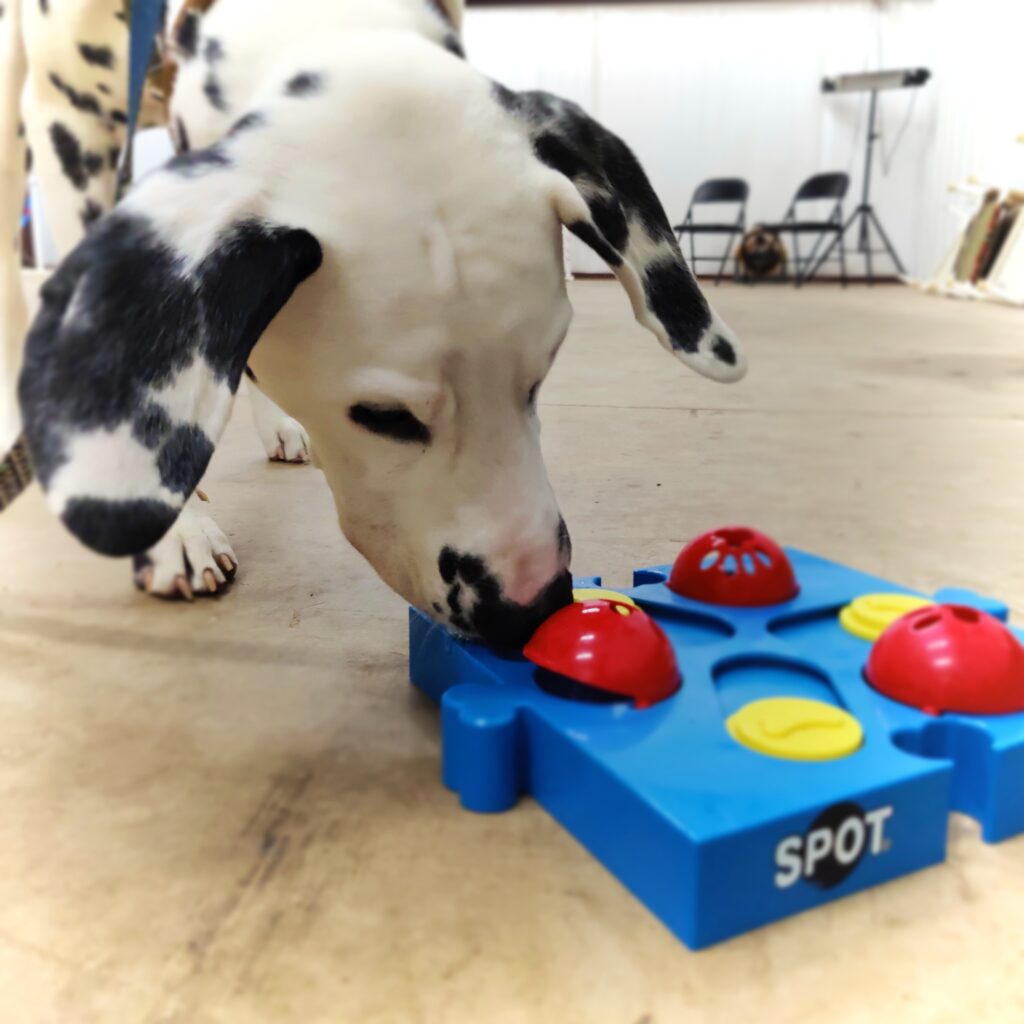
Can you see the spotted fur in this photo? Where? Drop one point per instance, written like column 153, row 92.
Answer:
column 386, row 224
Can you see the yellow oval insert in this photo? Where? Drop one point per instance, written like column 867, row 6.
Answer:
column 581, row 594
column 867, row 617
column 796, row 728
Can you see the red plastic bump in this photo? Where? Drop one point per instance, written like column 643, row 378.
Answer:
column 949, row 658
column 735, row 566
column 610, row 646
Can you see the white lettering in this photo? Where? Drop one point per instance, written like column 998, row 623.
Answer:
column 850, row 840
column 788, row 861
column 876, row 822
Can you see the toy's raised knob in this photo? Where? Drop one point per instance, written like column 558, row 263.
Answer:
column 949, row 657
column 610, row 646
column 735, row 566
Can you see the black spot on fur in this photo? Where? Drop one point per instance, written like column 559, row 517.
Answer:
column 453, row 44
column 251, row 375
column 214, row 92
column 673, row 295
column 69, row 153
column 213, row 51
column 91, row 212
column 586, row 233
column 145, row 323
column 28, row 159
column 304, row 84
column 183, row 459
column 93, row 163
column 187, row 36
column 505, row 97
column 448, row 564
column 620, row 198
column 151, row 426
column 103, row 88
column 83, row 101
column 44, row 6
column 120, row 15
column 723, row 351
column 113, row 157
column 118, row 528
column 101, row 56
column 182, row 136
column 472, row 569
column 249, row 121
column 118, row 117
column 498, row 621
column 194, row 162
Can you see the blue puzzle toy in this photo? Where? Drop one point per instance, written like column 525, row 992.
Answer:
column 775, row 779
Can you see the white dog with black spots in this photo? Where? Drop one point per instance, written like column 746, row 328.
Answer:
column 387, row 224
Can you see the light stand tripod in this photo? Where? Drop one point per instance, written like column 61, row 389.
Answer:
column 864, row 217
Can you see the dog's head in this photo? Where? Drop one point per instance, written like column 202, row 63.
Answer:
column 414, row 354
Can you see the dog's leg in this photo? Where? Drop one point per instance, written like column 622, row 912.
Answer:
column 284, row 439
column 193, row 558
column 13, row 314
column 75, row 108
column 75, row 101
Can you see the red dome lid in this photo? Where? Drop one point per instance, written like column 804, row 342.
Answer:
column 735, row 566
column 608, row 645
column 949, row 658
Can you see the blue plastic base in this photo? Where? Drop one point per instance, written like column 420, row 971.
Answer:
column 714, row 838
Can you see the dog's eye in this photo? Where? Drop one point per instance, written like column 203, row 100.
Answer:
column 393, row 421
column 531, row 398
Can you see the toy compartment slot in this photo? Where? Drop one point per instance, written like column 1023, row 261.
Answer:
column 744, row 679
column 813, row 626
column 967, row 746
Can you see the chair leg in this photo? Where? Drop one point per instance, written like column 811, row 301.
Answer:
column 842, row 260
column 810, row 259
column 823, row 257
column 725, row 259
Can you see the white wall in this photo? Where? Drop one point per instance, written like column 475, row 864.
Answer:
column 732, row 87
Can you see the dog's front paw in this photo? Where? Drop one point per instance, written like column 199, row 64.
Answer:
column 194, row 558
column 288, row 443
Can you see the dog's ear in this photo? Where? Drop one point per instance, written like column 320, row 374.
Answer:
column 602, row 195
column 133, row 361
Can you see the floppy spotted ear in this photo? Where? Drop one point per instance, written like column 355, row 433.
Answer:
column 602, row 195
column 133, row 361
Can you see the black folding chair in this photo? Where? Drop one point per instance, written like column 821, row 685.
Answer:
column 715, row 190
column 831, row 186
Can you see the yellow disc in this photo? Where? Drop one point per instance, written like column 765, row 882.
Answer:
column 796, row 729
column 868, row 616
column 581, row 594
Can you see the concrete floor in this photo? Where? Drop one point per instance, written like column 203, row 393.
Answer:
column 231, row 812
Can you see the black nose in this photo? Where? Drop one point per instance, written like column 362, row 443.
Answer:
column 507, row 626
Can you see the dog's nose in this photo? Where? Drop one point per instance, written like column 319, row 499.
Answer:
column 507, row 626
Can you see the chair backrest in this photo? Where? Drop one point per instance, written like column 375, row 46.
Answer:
column 721, row 190
column 832, row 185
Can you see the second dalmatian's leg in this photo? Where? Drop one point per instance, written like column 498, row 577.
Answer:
column 284, row 439
column 75, row 108
column 13, row 314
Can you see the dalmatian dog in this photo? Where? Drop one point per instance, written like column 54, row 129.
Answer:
column 63, row 103
column 375, row 229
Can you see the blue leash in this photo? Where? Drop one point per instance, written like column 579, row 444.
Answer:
column 145, row 24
